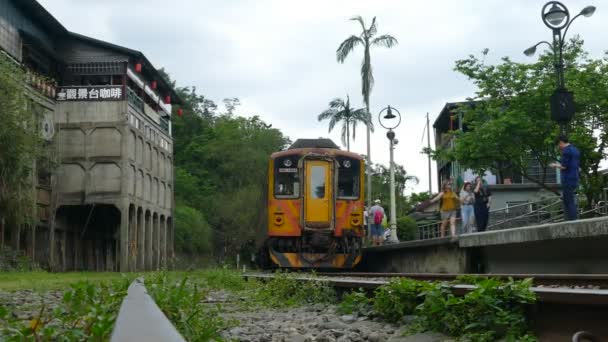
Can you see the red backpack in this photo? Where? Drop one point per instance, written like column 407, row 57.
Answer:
column 378, row 216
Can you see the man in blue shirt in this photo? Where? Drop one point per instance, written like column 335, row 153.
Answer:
column 569, row 170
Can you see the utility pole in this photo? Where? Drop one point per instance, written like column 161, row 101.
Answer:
column 386, row 123
column 428, row 145
column 393, row 219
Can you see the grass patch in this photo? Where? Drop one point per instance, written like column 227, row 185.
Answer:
column 87, row 311
column 42, row 281
column 285, row 291
column 181, row 298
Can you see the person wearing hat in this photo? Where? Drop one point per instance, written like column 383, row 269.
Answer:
column 377, row 215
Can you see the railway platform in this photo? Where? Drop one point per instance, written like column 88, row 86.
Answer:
column 574, row 247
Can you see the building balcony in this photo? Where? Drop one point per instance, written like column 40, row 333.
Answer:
column 44, row 85
column 135, row 101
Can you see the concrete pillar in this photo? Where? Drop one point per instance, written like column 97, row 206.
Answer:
column 123, row 241
column 148, row 241
column 15, row 237
column 170, row 240
column 155, row 242
column 163, row 242
column 132, row 239
column 141, row 247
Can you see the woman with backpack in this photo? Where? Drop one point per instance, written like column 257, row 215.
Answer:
column 377, row 215
column 448, row 207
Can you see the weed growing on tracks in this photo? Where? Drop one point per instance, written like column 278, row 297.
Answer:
column 398, row 298
column 493, row 310
column 87, row 312
column 181, row 299
column 356, row 302
column 285, row 291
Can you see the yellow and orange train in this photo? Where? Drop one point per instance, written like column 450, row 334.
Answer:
column 315, row 206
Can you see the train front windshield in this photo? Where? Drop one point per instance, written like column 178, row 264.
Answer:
column 286, row 178
column 349, row 176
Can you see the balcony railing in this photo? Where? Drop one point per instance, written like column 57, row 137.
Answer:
column 164, row 123
column 135, row 100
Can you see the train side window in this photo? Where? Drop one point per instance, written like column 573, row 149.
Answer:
column 286, row 180
column 348, row 178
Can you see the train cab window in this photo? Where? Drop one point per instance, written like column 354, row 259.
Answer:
column 286, row 179
column 317, row 182
column 349, row 177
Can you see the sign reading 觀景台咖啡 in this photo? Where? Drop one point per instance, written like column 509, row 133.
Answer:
column 90, row 93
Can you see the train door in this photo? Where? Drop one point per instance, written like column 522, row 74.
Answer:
column 318, row 199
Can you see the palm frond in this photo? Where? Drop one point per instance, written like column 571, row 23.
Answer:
column 369, row 121
column 326, row 114
column 337, row 103
column 373, row 29
column 367, row 77
column 343, row 135
column 385, row 40
column 346, row 47
column 360, row 20
column 332, row 123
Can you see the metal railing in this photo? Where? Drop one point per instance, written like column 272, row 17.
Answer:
column 521, row 215
column 135, row 100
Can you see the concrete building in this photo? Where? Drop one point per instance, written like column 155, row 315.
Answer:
column 506, row 190
column 105, row 202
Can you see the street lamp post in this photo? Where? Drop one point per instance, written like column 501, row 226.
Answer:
column 386, row 123
column 557, row 18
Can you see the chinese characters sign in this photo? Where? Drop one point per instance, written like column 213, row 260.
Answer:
column 94, row 93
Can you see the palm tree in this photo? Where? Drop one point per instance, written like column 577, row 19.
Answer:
column 340, row 111
column 366, row 38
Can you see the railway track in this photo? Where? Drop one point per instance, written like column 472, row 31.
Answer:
column 567, row 303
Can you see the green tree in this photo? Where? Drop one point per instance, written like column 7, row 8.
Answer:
column 381, row 184
column 511, row 129
column 20, row 146
column 340, row 111
column 221, row 163
column 192, row 232
column 367, row 38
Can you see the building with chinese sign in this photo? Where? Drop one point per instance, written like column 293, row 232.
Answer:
column 107, row 202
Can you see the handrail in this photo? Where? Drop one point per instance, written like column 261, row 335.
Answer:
column 431, row 230
column 524, row 215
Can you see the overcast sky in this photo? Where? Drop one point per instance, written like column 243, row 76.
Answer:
column 278, row 56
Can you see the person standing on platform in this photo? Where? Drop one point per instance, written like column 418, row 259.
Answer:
column 568, row 165
column 483, row 198
column 448, row 208
column 467, row 200
column 376, row 214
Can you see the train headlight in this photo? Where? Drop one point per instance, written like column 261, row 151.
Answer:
column 287, row 162
column 346, row 163
column 278, row 220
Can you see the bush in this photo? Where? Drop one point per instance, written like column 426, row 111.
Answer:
column 398, row 298
column 355, row 302
column 494, row 310
column 192, row 232
column 407, row 228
